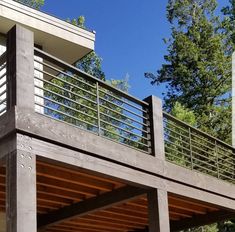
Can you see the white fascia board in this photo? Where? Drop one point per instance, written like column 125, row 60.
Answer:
column 45, row 23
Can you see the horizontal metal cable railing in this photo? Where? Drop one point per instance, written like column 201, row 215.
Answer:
column 65, row 93
column 191, row 148
column 3, row 84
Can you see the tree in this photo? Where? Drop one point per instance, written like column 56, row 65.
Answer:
column 73, row 99
column 32, row 3
column 197, row 72
column 229, row 25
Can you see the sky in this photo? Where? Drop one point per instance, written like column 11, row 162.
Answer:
column 129, row 36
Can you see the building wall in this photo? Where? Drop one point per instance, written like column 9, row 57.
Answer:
column 37, row 74
column 2, row 50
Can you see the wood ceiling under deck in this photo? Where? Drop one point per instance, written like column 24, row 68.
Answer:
column 58, row 187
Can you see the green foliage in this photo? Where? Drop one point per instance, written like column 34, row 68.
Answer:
column 177, row 137
column 32, row 3
column 197, row 72
column 91, row 64
column 209, row 228
column 229, row 25
column 183, row 114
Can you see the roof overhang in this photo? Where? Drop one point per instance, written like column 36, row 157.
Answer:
column 56, row 36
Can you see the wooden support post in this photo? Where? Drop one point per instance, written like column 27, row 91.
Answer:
column 158, row 211
column 233, row 99
column 21, row 192
column 156, row 121
column 20, row 68
column 21, row 166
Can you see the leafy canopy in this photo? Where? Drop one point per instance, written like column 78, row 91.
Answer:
column 197, row 72
column 32, row 3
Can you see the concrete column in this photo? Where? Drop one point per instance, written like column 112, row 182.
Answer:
column 156, row 125
column 158, row 211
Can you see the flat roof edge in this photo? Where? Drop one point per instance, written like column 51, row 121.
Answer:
column 43, row 17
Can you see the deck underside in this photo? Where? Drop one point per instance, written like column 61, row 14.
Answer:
column 59, row 187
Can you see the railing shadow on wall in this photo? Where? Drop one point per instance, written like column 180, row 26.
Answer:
column 3, row 84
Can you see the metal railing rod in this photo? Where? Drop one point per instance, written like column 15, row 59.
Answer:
column 206, row 159
column 4, row 83
column 226, row 166
column 3, row 58
column 2, row 110
column 69, row 67
column 3, row 75
column 169, row 136
column 98, row 107
column 180, row 152
column 226, row 157
column 183, row 148
column 126, row 131
column 3, row 92
column 222, row 163
column 200, row 149
column 204, row 140
column 123, row 108
column 179, row 158
column 123, row 101
column 66, row 106
column 68, row 99
column 124, row 137
column 169, row 123
column 2, row 101
column 111, row 117
column 69, row 116
column 127, row 117
column 202, row 145
column 175, row 132
column 205, row 171
column 61, row 88
column 230, row 173
column 197, row 130
column 64, row 73
column 227, row 178
column 68, row 83
column 204, row 162
column 2, row 67
column 230, row 151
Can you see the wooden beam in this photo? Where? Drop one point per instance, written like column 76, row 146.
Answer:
column 20, row 68
column 21, row 165
column 58, row 155
column 201, row 220
column 79, row 140
column 93, row 204
column 21, row 192
column 158, row 211
column 156, row 124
